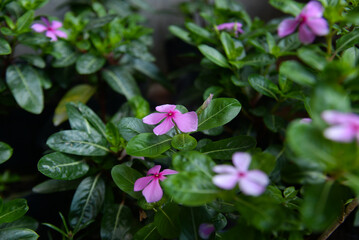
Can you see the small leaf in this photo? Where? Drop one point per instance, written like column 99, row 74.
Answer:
column 148, row 145
column 228, row 45
column 5, row 152
column 213, row 55
column 130, row 127
column 89, row 63
column 184, row 142
column 274, row 123
column 199, row 31
column 13, row 210
column 5, row 48
column 125, row 178
column 297, row 73
column 140, row 107
column 264, row 86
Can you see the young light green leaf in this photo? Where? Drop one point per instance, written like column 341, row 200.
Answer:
column 148, row 145
column 228, row 45
column 5, row 152
column 125, row 178
column 140, row 107
column 89, row 63
column 314, row 57
column 213, row 55
column 199, row 31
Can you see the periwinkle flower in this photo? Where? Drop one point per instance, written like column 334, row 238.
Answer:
column 186, row 122
column 344, row 126
column 251, row 182
column 237, row 27
column 311, row 23
column 150, row 185
column 205, row 230
column 51, row 29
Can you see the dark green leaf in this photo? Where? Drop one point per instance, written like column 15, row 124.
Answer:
column 263, row 85
column 167, row 221
column 228, row 45
column 313, row 57
column 89, row 63
column 347, row 40
column 274, row 123
column 116, row 222
column 24, row 22
column 213, row 55
column 184, row 142
column 193, row 161
column 148, row 145
column 5, row 48
column 151, row 70
column 148, row 232
column 297, row 73
column 125, row 178
column 131, row 127
column 13, row 210
column 51, row 186
column 34, row 60
column 199, row 31
column 18, row 233
column 5, row 152
column 65, row 54
column 23, row 222
column 180, row 33
column 99, row 22
column 140, row 107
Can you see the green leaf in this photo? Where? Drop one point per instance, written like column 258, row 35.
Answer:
column 116, row 222
column 199, row 31
column 148, row 145
column 24, row 22
column 184, row 142
column 5, row 48
column 13, row 210
column 87, row 202
column 51, row 186
column 228, row 45
column 5, row 152
column 274, row 123
column 80, row 93
column 113, row 137
column 23, row 222
column 89, row 63
column 34, row 60
column 121, row 81
column 148, row 232
column 263, row 86
column 130, row 127
column 18, row 233
column 167, row 220
column 180, row 33
column 313, row 57
column 140, row 107
column 219, row 112
column 213, row 55
column 193, row 161
column 297, row 73
column 78, row 143
column 64, row 53
column 25, row 85
column 99, row 22
column 125, row 178
column 255, row 60
column 61, row 166
column 225, row 148
column 263, row 161
column 287, row 6
column 152, row 71
column 347, row 40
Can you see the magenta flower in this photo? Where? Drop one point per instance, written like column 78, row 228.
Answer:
column 251, row 182
column 310, row 21
column 150, row 184
column 237, row 27
column 345, row 126
column 50, row 28
column 186, row 122
column 205, row 230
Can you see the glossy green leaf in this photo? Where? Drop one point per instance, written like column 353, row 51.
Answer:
column 193, row 161
column 13, row 210
column 5, row 48
column 167, row 220
column 64, row 53
column 5, row 152
column 294, row 71
column 313, row 57
column 34, row 60
column 255, row 60
column 225, row 148
column 219, row 112
column 116, row 222
column 51, row 186
column 148, row 232
column 184, row 142
column 113, row 137
column 199, row 31
column 25, row 85
column 23, row 222
column 263, row 85
column 228, row 45
column 274, row 123
column 148, row 145
column 87, row 202
column 140, row 107
column 18, row 233
column 287, row 6
column 125, row 178
column 347, row 40
column 62, row 167
column 213, row 55
column 89, row 63
column 180, row 33
column 131, row 127
column 78, row 143
column 24, row 22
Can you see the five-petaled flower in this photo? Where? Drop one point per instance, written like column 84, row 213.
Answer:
column 186, row 122
column 345, row 126
column 310, row 21
column 237, row 27
column 150, row 184
column 50, row 28
column 205, row 230
column 251, row 182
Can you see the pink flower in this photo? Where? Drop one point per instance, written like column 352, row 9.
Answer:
column 345, row 126
column 150, row 184
column 237, row 27
column 310, row 21
column 205, row 230
column 306, row 120
column 251, row 182
column 50, row 28
column 186, row 122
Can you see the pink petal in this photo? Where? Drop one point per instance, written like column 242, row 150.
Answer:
column 153, row 192
column 165, row 108
column 306, row 35
column 335, row 117
column 168, row 172
column 51, row 35
column 224, row 169
column 319, row 26
column 142, row 182
column 61, row 34
column 340, row 133
column 155, row 170
column 186, row 122
column 254, row 183
column 37, row 27
column 228, row 26
column 154, row 118
column 164, row 127
column 313, row 10
column 205, row 230
column 56, row 24
column 287, row 27
column 47, row 23
column 225, row 181
column 241, row 160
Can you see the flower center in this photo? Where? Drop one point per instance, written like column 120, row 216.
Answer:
column 241, row 174
column 157, row 175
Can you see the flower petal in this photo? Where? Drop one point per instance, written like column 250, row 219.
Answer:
column 56, row 24
column 186, row 122
column 241, row 160
column 61, row 34
column 165, row 108
column 335, row 117
column 224, row 169
column 37, row 27
column 313, row 10
column 154, row 118
column 225, row 181
column 205, row 230
column 154, row 170
column 340, row 133
column 164, row 127
column 51, row 35
column 47, row 23
column 306, row 35
column 153, row 192
column 319, row 26
column 254, row 183
column 142, row 182
column 228, row 26
column 287, row 27
column 168, row 172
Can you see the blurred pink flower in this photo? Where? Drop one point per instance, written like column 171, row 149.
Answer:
column 205, row 230
column 150, row 184
column 306, row 120
column 311, row 23
column 345, row 126
column 237, row 27
column 50, row 28
column 186, row 122
column 251, row 182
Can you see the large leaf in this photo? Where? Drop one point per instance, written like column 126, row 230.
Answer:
column 121, row 81
column 263, row 85
column 18, row 233
column 130, row 127
column 5, row 48
column 51, row 186
column 89, row 63
column 78, row 143
column 148, row 145
column 125, row 178
column 13, row 210
column 225, row 148
column 61, row 166
column 219, row 112
column 213, row 55
column 25, row 85
column 5, row 152
column 193, row 161
column 167, row 220
column 87, row 202
column 116, row 222
column 34, row 60
column 297, row 73
column 80, row 93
